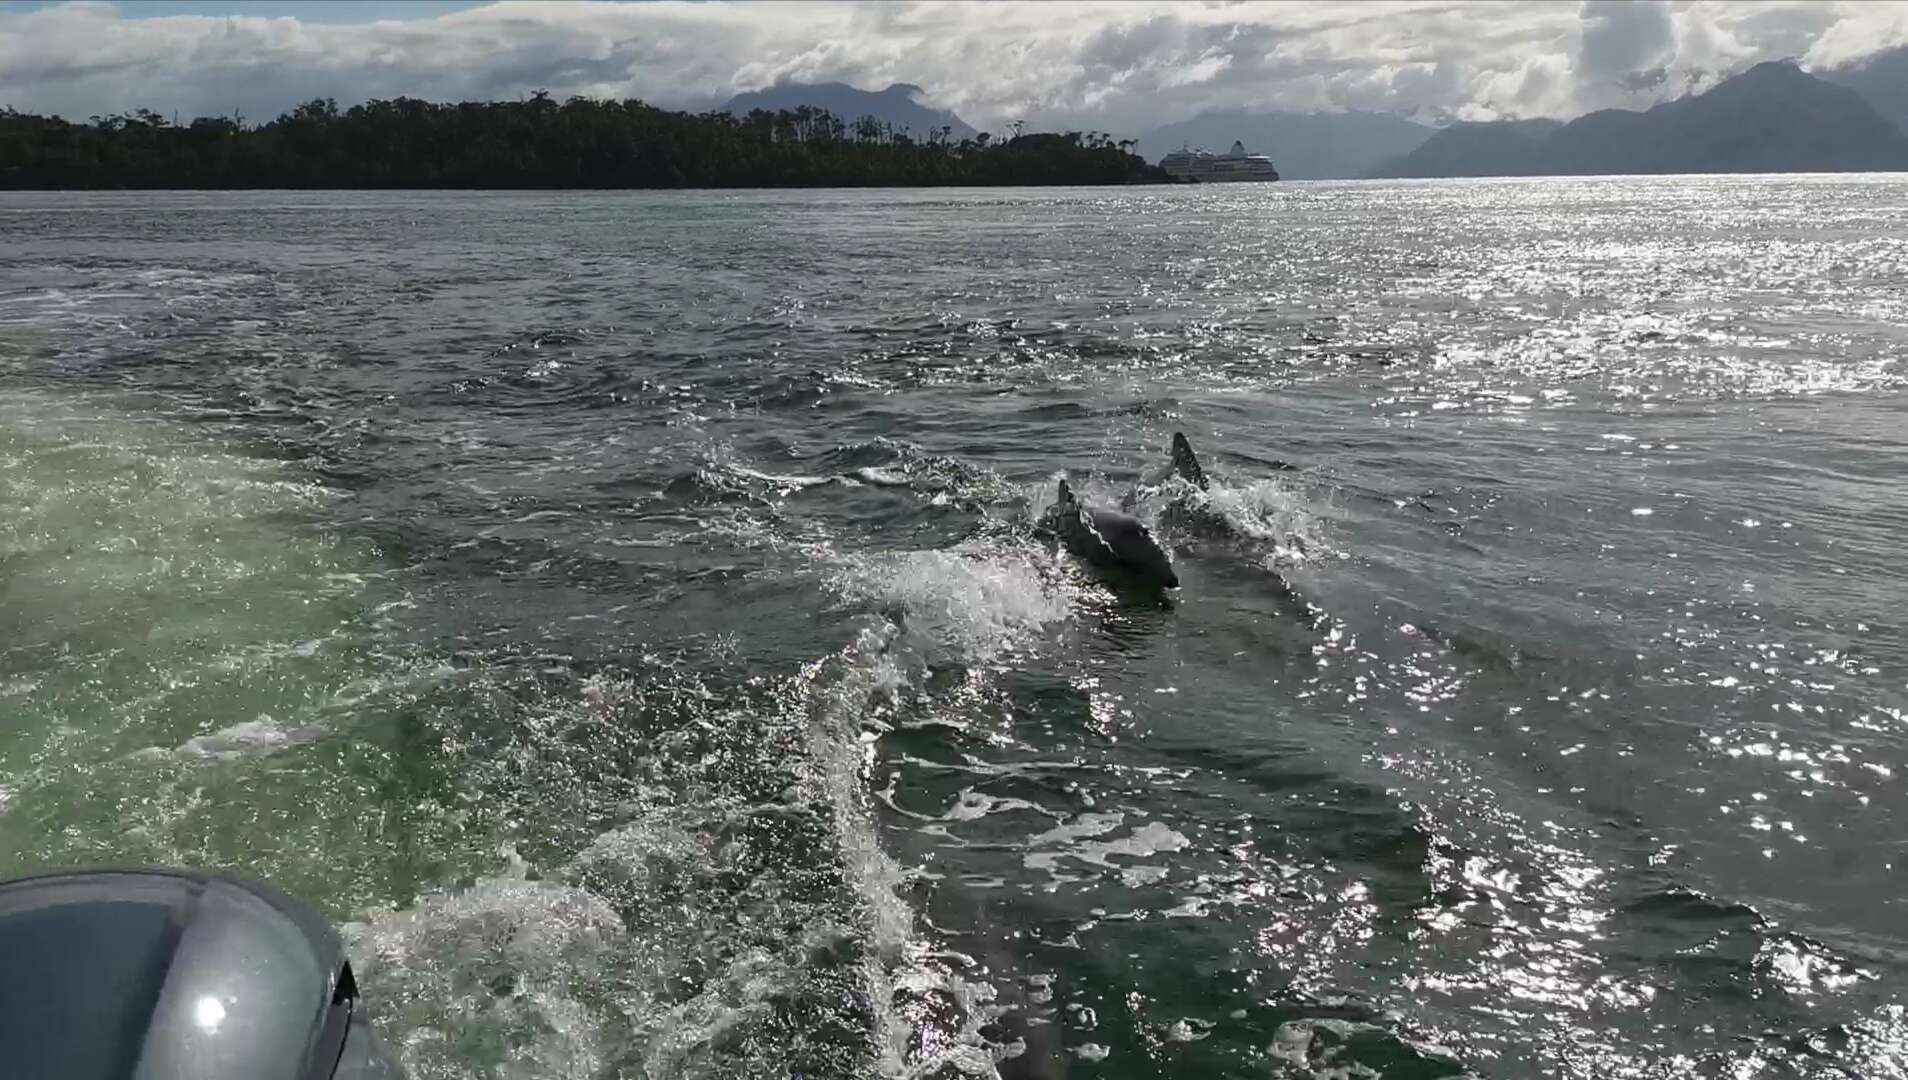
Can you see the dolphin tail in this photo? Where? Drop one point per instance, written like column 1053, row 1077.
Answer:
column 1186, row 463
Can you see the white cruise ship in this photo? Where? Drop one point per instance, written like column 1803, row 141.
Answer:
column 1198, row 166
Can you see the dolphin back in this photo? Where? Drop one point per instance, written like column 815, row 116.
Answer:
column 1107, row 538
column 1127, row 544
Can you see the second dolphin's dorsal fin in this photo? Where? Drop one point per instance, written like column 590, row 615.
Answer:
column 1186, row 463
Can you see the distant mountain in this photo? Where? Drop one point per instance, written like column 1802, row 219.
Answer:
column 1774, row 117
column 1304, row 146
column 1882, row 78
column 896, row 106
column 1501, row 148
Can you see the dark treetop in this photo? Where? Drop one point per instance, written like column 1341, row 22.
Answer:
column 538, row 143
column 896, row 106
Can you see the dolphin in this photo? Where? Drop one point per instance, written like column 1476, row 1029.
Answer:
column 1183, row 463
column 1119, row 540
column 1110, row 539
column 1184, row 509
column 1186, row 463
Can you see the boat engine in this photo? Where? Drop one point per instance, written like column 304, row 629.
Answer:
column 174, row 974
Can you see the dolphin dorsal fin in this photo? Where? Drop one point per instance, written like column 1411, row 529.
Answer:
column 1186, row 463
column 1066, row 494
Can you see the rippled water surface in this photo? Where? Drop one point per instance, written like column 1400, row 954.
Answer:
column 620, row 610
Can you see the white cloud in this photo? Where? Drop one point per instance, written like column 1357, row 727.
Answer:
column 1624, row 38
column 1866, row 29
column 1110, row 65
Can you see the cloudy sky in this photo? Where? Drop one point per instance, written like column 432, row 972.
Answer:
column 1119, row 66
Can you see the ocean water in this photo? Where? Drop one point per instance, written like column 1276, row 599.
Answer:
column 619, row 611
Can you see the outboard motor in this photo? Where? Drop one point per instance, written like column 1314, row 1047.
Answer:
column 173, row 974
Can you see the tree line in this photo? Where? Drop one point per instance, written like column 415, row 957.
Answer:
column 536, row 143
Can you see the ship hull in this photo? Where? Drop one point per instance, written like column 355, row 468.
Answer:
column 1234, row 167
column 1229, row 179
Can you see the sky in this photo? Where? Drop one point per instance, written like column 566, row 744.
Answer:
column 1115, row 65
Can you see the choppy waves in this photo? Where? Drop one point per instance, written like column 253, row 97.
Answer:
column 624, row 615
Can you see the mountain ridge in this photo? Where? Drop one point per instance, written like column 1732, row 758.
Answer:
column 1773, row 117
column 896, row 106
column 1882, row 78
column 1305, row 145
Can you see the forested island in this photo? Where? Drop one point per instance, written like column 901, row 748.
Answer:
column 536, row 143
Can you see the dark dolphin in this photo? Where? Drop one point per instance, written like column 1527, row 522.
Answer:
column 1186, row 463
column 1187, row 511
column 1117, row 539
column 1110, row 539
column 1183, row 464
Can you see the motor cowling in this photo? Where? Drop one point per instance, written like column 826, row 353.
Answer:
column 157, row 974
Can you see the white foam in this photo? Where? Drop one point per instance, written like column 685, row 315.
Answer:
column 659, row 862
column 1071, row 840
column 261, row 736
column 786, row 483
column 529, row 944
column 1267, row 511
column 867, row 673
column 1187, row 1030
column 973, row 805
column 880, row 477
column 977, row 602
